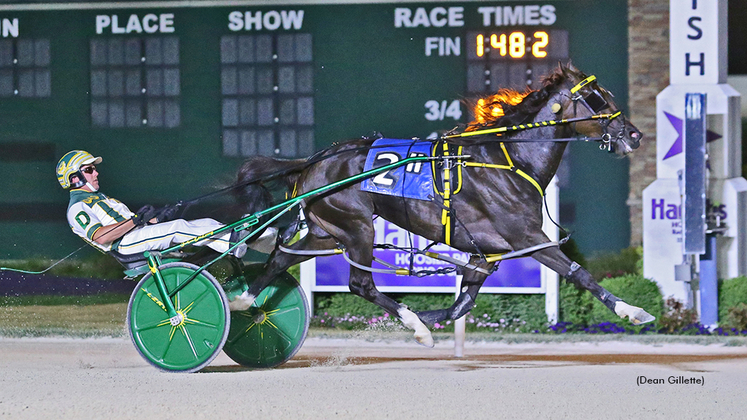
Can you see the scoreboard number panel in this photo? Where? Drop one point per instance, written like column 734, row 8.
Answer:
column 291, row 77
column 513, row 58
column 267, row 85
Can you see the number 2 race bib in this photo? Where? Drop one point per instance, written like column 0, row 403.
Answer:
column 414, row 180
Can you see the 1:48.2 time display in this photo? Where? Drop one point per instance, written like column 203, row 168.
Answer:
column 514, row 44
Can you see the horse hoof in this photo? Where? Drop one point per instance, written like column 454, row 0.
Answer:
column 242, row 302
column 422, row 334
column 425, row 339
column 636, row 315
column 642, row 317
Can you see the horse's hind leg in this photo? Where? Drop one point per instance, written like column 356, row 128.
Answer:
column 471, row 283
column 277, row 263
column 355, row 231
column 360, row 250
column 557, row 261
column 362, row 284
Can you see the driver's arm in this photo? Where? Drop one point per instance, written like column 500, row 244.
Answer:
column 110, row 233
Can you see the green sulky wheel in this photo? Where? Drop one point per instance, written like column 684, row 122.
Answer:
column 199, row 332
column 274, row 328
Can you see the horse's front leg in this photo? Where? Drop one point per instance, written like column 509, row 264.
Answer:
column 557, row 261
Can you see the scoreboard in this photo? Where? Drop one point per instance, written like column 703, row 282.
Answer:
column 513, row 59
column 173, row 95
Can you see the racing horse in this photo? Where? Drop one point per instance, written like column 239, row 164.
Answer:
column 499, row 207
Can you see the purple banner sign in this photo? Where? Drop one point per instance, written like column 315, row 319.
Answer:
column 334, row 270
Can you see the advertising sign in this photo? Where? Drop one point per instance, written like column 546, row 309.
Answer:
column 333, row 271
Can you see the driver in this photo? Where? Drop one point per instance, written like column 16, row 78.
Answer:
column 109, row 225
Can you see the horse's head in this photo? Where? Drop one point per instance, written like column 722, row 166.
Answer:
column 584, row 98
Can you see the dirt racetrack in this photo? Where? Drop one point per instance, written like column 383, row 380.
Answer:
column 60, row 378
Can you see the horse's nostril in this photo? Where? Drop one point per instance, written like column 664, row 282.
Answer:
column 634, row 134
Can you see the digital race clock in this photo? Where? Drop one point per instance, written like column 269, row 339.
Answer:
column 512, row 58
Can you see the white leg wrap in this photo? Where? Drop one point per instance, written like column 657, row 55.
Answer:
column 635, row 314
column 422, row 334
column 242, row 302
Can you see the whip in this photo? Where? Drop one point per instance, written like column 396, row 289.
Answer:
column 46, row 269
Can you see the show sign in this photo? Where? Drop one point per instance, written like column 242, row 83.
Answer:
column 698, row 34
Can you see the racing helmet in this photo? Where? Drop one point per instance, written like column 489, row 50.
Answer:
column 70, row 164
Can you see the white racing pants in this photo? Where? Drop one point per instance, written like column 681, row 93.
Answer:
column 167, row 234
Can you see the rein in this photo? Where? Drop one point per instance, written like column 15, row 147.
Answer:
column 313, row 159
column 540, row 124
column 593, row 101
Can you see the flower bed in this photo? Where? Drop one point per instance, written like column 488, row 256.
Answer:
column 484, row 323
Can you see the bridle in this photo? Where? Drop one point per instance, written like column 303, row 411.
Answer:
column 590, row 98
column 595, row 102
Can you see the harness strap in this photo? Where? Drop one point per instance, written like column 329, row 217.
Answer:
column 392, row 269
column 319, row 253
column 521, row 252
column 399, row 271
column 442, row 257
column 472, row 239
column 583, row 83
column 448, row 182
column 446, row 212
column 510, row 167
column 456, row 262
column 531, row 180
column 527, row 126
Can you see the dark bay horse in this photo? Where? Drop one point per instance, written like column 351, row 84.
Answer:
column 498, row 210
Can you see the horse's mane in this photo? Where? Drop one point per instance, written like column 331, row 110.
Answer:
column 509, row 107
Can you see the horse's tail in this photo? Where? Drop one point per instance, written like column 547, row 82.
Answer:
column 259, row 175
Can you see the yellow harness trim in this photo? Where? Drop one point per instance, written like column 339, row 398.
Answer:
column 509, row 167
column 505, row 153
column 449, row 189
column 448, row 193
column 583, row 83
column 494, row 257
column 445, row 215
column 526, row 126
column 295, row 190
column 531, row 180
